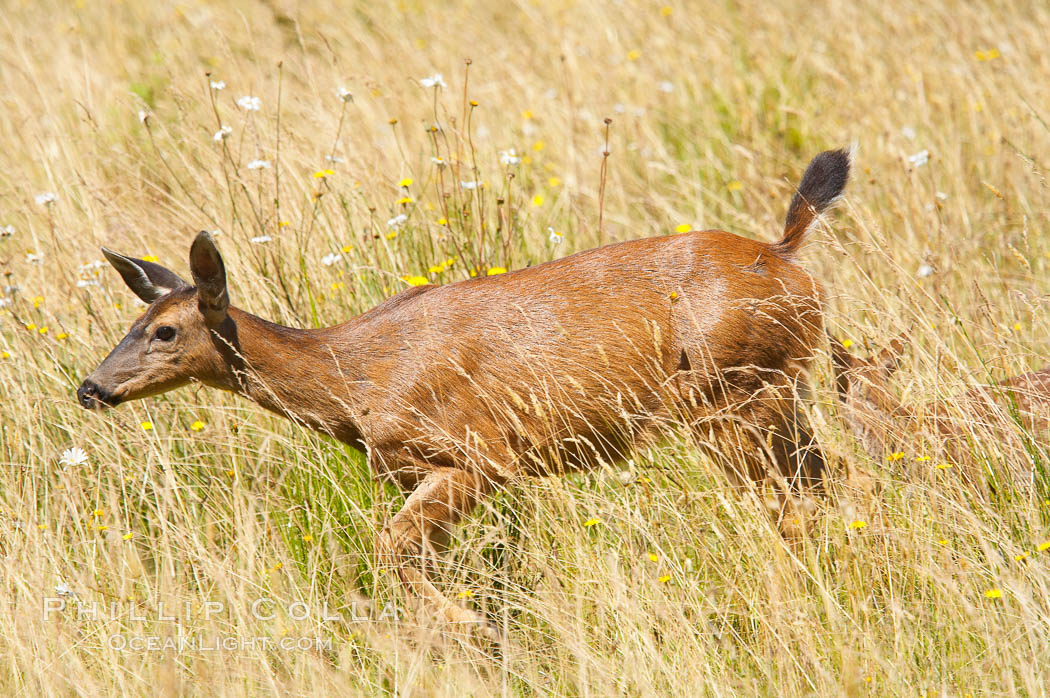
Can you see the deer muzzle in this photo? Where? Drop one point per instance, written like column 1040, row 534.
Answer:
column 94, row 397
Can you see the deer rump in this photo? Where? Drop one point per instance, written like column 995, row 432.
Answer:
column 567, row 364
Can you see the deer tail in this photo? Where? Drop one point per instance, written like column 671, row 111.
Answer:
column 820, row 188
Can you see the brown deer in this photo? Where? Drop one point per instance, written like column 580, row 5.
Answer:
column 453, row 390
column 881, row 422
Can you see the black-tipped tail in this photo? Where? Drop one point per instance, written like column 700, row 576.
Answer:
column 821, row 186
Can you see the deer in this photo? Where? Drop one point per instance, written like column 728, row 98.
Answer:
column 455, row 390
column 880, row 421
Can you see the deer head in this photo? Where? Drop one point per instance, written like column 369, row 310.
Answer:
column 864, row 391
column 175, row 341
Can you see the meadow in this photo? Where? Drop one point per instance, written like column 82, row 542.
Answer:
column 344, row 151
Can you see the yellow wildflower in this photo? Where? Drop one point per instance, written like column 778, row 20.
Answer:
column 664, row 579
column 994, row 594
column 653, row 557
column 391, row 235
column 1022, row 557
column 128, row 535
column 1043, row 547
column 406, row 182
column 197, row 426
column 146, row 426
column 436, row 269
column 591, row 522
column 465, row 594
column 895, row 456
column 415, row 280
column 493, row 271
column 347, row 248
column 442, row 221
column 405, row 200
column 321, row 174
column 43, row 526
column 37, row 301
column 151, row 258
column 5, row 355
column 942, row 541
column 43, row 330
column 666, row 11
column 538, row 146
column 527, row 114
column 633, row 55
column 943, row 466
column 537, row 200
column 98, row 513
column 989, row 55
column 554, row 182
column 308, row 538
column 735, row 185
column 31, row 326
column 683, row 228
column 473, row 103
column 858, row 524
column 61, row 335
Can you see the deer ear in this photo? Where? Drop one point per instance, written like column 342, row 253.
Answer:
column 149, row 281
column 890, row 358
column 209, row 274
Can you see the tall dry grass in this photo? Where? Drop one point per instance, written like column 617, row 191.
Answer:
column 908, row 581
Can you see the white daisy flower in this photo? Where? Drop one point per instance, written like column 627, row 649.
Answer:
column 12, row 289
column 35, row 257
column 330, row 259
column 440, row 162
column 222, row 133
column 7, row 231
column 334, row 158
column 84, row 283
column 509, row 157
column 924, row 271
column 434, row 80
column 249, row 103
column 63, row 589
column 920, row 158
column 45, row 198
column 258, row 165
column 666, row 86
column 555, row 237
column 908, row 132
column 344, row 94
column 470, row 185
column 218, row 84
column 73, row 456
column 4, row 302
column 397, row 221
column 143, row 115
column 260, row 239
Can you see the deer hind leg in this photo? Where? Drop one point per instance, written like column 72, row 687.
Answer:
column 419, row 532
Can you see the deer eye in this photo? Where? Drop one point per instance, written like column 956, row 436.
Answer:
column 165, row 333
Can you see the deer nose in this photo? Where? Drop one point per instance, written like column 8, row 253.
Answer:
column 93, row 396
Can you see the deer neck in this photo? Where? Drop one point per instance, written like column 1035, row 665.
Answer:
column 295, row 373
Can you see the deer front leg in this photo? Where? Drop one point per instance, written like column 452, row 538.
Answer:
column 420, row 531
